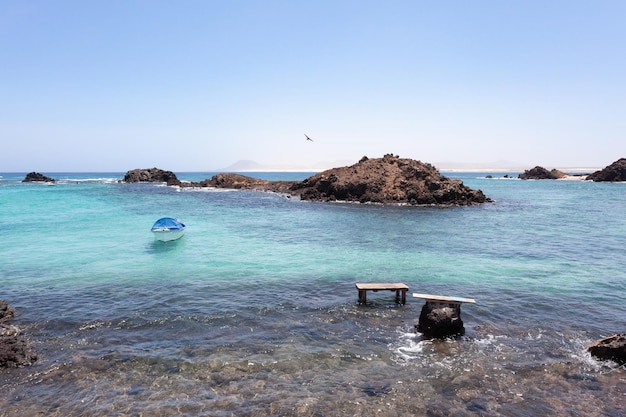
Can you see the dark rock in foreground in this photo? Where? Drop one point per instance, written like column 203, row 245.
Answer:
column 388, row 180
column 612, row 173
column 6, row 312
column 540, row 173
column 439, row 321
column 37, row 177
column 151, row 175
column 14, row 351
column 610, row 348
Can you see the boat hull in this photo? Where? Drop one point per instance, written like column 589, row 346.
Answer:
column 168, row 235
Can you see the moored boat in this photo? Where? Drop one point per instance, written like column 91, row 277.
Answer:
column 168, row 228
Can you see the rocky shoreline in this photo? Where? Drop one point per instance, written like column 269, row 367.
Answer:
column 616, row 172
column 14, row 351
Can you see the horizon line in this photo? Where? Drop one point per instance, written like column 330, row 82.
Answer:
column 447, row 169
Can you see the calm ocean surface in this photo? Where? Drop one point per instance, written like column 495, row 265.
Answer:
column 254, row 311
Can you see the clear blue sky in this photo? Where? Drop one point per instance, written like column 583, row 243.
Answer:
column 198, row 85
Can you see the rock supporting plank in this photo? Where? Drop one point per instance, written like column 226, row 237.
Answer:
column 441, row 315
column 440, row 320
column 610, row 348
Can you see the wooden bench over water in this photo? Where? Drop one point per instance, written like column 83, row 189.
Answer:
column 398, row 287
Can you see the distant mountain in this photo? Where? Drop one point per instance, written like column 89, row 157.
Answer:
column 243, row 165
column 246, row 165
column 484, row 166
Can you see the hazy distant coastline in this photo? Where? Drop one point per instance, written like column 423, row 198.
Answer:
column 246, row 165
column 498, row 166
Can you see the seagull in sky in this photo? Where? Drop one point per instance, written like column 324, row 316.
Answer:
column 308, row 138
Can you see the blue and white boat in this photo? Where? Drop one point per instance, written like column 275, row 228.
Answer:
column 168, row 228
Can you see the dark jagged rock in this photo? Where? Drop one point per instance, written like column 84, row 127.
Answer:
column 440, row 321
column 236, row 181
column 151, row 175
column 14, row 351
column 6, row 312
column 612, row 173
column 37, row 177
column 540, row 173
column 388, row 180
column 610, row 348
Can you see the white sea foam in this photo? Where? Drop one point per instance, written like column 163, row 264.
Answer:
column 206, row 190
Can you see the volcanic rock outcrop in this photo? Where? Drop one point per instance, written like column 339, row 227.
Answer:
column 612, row 173
column 388, row 180
column 540, row 173
column 37, row 177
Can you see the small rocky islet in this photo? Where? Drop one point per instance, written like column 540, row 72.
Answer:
column 37, row 177
column 541, row 173
column 386, row 180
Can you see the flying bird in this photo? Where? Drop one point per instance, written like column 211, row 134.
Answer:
column 308, row 138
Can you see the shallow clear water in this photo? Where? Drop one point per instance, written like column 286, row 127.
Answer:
column 253, row 311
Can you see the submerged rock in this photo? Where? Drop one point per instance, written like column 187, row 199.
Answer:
column 6, row 312
column 540, row 173
column 612, row 173
column 610, row 348
column 37, row 177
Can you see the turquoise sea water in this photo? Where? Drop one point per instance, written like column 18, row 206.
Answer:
column 254, row 311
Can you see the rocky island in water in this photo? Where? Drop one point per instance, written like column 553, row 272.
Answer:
column 386, row 180
column 616, row 172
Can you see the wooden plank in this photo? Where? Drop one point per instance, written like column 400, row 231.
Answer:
column 381, row 286
column 444, row 298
